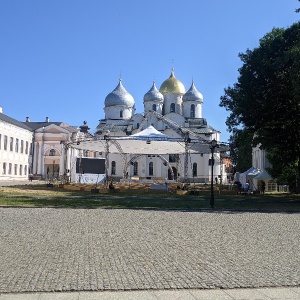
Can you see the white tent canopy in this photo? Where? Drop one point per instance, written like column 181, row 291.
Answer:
column 263, row 175
column 250, row 173
column 148, row 141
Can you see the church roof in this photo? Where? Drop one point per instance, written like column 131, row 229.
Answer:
column 172, row 85
column 192, row 94
column 12, row 121
column 36, row 125
column 153, row 95
column 119, row 96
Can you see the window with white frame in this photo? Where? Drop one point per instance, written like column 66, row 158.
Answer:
column 172, row 107
column 17, row 145
column 11, row 144
column 151, row 168
column 52, row 152
column 192, row 111
column 5, row 142
column 113, row 168
column 194, row 169
column 135, row 168
column 22, row 146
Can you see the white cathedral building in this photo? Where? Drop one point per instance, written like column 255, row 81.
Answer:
column 167, row 109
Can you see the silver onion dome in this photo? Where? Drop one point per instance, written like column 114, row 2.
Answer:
column 119, row 96
column 192, row 94
column 153, row 95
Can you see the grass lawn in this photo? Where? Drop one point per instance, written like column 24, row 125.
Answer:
column 41, row 196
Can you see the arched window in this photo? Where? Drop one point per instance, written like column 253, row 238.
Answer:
column 194, row 169
column 172, row 107
column 154, row 107
column 192, row 111
column 86, row 153
column 151, row 168
column 52, row 152
column 113, row 168
column 121, row 113
column 135, row 168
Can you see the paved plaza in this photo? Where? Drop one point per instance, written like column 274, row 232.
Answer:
column 48, row 249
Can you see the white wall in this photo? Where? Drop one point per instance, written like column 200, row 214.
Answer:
column 18, row 160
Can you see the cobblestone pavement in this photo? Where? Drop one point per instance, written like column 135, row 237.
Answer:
column 48, row 249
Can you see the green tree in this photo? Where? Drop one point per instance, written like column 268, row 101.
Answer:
column 241, row 150
column 266, row 98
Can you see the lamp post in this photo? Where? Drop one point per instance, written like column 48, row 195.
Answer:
column 53, row 170
column 213, row 145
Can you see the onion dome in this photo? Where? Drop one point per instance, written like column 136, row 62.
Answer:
column 192, row 94
column 153, row 95
column 119, row 96
column 172, row 85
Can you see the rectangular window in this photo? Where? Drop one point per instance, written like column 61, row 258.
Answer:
column 26, row 147
column 113, row 168
column 20, row 173
column 135, row 168
column 25, row 170
column 151, row 168
column 16, row 169
column 173, row 158
column 11, row 144
column 17, row 146
column 209, row 162
column 4, row 169
column 5, row 142
column 22, row 146
column 9, row 168
column 194, row 169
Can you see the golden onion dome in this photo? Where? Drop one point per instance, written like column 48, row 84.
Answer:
column 172, row 85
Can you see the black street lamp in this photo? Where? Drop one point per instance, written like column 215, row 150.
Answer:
column 213, row 145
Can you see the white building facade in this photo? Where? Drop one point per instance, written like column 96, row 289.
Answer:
column 15, row 145
column 167, row 109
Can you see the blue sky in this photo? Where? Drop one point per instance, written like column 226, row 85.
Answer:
column 60, row 58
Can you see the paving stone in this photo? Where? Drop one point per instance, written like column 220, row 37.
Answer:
column 65, row 250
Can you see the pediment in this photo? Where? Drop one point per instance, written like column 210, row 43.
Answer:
column 52, row 128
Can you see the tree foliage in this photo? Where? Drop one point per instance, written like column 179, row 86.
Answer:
column 241, row 151
column 266, row 98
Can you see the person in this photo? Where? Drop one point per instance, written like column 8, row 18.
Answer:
column 239, row 187
column 247, row 187
column 111, row 186
column 216, row 180
column 262, row 187
column 30, row 177
column 166, row 184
